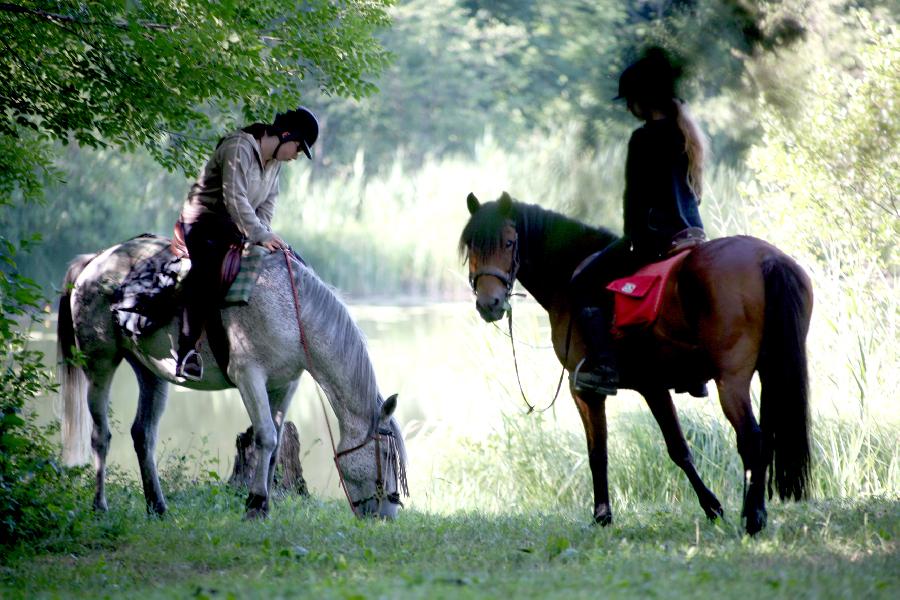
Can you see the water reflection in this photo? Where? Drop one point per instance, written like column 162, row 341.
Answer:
column 453, row 372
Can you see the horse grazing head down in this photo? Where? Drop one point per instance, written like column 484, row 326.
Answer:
column 383, row 454
column 490, row 243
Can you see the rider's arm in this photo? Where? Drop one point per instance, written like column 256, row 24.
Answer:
column 238, row 164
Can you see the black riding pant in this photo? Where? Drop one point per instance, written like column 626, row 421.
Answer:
column 592, row 303
column 208, row 240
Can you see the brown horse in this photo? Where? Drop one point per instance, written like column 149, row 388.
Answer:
column 736, row 305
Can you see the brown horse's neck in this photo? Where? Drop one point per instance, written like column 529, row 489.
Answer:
column 551, row 246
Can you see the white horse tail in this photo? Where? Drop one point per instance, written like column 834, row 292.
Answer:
column 76, row 419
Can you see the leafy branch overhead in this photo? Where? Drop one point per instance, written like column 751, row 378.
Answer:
column 130, row 74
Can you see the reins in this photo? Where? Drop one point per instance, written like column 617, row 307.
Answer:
column 376, row 434
column 509, row 280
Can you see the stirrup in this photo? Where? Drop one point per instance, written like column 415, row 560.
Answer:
column 190, row 367
column 601, row 380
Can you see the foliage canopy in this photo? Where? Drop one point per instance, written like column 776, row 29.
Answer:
column 157, row 74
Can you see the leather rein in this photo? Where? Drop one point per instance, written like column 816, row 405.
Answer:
column 508, row 279
column 377, row 434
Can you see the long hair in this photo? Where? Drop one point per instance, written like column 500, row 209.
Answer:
column 695, row 146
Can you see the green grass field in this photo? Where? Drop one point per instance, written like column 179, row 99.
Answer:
column 310, row 548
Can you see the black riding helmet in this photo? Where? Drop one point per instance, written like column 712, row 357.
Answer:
column 300, row 125
column 651, row 80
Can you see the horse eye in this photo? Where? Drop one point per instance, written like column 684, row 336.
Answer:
column 509, row 243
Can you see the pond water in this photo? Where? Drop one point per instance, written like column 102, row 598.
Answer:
column 453, row 372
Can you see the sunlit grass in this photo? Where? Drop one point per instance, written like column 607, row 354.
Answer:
column 314, row 548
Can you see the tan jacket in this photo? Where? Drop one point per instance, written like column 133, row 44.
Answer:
column 235, row 182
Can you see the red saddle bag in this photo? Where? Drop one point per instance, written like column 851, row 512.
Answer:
column 638, row 297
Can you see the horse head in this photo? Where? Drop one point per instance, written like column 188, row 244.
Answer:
column 490, row 243
column 374, row 471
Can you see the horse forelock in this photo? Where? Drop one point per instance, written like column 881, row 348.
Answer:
column 483, row 234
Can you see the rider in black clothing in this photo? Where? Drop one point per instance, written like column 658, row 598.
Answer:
column 663, row 181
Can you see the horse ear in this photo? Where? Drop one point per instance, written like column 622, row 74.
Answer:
column 473, row 203
column 505, row 204
column 387, row 409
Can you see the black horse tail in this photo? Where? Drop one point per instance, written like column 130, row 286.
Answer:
column 76, row 423
column 784, row 403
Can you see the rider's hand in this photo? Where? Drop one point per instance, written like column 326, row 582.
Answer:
column 274, row 243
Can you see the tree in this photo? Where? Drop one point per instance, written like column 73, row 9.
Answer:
column 159, row 74
column 168, row 75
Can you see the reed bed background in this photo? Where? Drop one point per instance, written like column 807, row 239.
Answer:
column 399, row 231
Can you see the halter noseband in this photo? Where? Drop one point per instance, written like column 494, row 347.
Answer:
column 380, row 496
column 508, row 279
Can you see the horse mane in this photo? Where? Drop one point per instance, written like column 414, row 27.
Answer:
column 535, row 224
column 348, row 340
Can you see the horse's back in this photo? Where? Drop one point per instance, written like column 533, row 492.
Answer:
column 718, row 299
column 95, row 328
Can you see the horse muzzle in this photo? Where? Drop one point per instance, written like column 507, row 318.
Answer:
column 372, row 509
column 491, row 308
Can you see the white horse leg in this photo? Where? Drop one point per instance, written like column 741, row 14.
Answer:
column 98, row 403
column 251, row 384
column 279, row 401
column 154, row 392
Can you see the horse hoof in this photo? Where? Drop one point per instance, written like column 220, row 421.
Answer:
column 756, row 521
column 602, row 515
column 714, row 511
column 100, row 505
column 156, row 509
column 257, row 507
column 256, row 515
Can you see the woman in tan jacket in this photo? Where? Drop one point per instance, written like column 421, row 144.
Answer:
column 233, row 202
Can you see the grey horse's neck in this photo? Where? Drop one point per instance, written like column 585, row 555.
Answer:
column 340, row 359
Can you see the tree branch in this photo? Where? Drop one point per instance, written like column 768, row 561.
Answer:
column 59, row 18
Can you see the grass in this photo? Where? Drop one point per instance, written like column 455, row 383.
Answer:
column 504, row 515
column 311, row 548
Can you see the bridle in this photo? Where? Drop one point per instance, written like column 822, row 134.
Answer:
column 377, row 434
column 508, row 279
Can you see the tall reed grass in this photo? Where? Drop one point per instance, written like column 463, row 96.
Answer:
column 396, row 234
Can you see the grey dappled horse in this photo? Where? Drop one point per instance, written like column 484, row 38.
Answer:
column 266, row 359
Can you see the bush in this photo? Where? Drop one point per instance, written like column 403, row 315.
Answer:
column 38, row 497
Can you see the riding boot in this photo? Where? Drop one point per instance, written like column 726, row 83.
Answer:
column 597, row 372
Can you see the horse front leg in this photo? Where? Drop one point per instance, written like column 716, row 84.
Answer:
column 154, row 393
column 592, row 409
column 734, row 396
column 663, row 409
column 251, row 384
column 279, row 401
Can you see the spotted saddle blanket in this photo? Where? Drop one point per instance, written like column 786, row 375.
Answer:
column 149, row 294
column 638, row 297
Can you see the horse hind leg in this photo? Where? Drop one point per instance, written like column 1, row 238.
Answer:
column 734, row 396
column 663, row 409
column 99, row 383
column 152, row 399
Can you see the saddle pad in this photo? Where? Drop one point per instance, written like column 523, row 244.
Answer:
column 250, row 266
column 637, row 297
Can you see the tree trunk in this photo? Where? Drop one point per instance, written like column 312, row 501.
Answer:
column 288, row 471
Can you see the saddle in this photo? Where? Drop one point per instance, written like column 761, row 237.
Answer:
column 638, row 296
column 149, row 294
